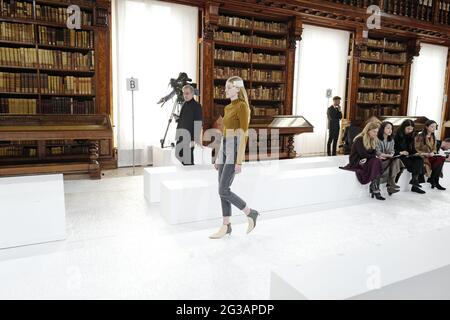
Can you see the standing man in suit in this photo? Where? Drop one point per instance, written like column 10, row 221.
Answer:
column 334, row 115
column 189, row 127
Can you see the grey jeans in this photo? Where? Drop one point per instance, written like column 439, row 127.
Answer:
column 227, row 160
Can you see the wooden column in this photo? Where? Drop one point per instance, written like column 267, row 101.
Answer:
column 295, row 34
column 359, row 44
column 445, row 132
column 210, row 21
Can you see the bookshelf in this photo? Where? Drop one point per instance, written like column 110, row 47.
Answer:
column 48, row 69
column 382, row 78
column 260, row 48
column 255, row 50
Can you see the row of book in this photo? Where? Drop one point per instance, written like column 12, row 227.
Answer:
column 29, row 83
column 421, row 9
column 55, row 105
column 67, row 85
column 51, row 59
column 18, row 151
column 381, row 83
column 66, row 37
column 226, row 72
column 258, row 111
column 18, row 106
column 237, row 37
column 16, row 9
column 266, row 75
column 397, row 57
column 367, row 112
column 256, row 75
column 249, row 24
column 358, row 3
column 23, row 57
column 19, row 82
column 258, row 93
column 68, row 150
column 65, row 105
column 262, row 93
column 386, row 44
column 239, row 56
column 19, row 142
column 17, row 32
column 444, row 12
column 24, row 10
column 60, row 15
column 371, row 97
column 381, row 68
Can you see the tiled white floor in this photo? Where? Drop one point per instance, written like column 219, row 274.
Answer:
column 118, row 246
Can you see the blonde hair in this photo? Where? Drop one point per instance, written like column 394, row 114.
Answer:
column 367, row 141
column 239, row 83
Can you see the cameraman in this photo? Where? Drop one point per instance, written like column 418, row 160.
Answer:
column 190, row 119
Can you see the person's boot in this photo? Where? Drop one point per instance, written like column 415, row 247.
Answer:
column 392, row 187
column 375, row 190
column 252, row 216
column 223, row 231
column 416, row 187
column 434, row 179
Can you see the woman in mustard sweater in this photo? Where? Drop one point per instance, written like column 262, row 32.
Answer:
column 231, row 155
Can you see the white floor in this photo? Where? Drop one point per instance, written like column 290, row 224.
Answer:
column 119, row 247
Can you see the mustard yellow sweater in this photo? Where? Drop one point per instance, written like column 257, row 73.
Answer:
column 237, row 116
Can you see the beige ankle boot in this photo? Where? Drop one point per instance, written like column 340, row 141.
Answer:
column 223, row 231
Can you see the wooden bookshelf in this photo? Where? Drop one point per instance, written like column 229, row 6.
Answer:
column 380, row 84
column 49, row 69
column 259, row 50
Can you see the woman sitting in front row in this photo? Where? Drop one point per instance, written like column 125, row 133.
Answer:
column 426, row 145
column 405, row 146
column 364, row 160
column 386, row 150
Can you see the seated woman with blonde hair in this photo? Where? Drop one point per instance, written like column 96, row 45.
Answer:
column 364, row 160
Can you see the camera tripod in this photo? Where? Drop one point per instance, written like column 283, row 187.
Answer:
column 176, row 105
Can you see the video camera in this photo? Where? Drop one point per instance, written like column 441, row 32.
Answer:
column 177, row 88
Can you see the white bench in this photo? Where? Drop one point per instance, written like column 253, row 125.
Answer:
column 409, row 268
column 153, row 177
column 190, row 200
column 166, row 157
column 32, row 210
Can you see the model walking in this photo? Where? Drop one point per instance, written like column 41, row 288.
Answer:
column 236, row 121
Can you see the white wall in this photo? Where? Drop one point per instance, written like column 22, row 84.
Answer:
column 321, row 63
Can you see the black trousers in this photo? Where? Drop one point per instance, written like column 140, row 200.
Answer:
column 185, row 159
column 333, row 137
column 414, row 165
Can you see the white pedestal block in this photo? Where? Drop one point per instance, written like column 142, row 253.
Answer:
column 166, row 157
column 410, row 268
column 197, row 199
column 153, row 177
column 32, row 210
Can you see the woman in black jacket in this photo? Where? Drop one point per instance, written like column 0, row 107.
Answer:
column 405, row 146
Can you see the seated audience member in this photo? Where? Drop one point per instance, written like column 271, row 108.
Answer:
column 426, row 146
column 364, row 161
column 405, row 147
column 392, row 167
column 350, row 132
column 444, row 148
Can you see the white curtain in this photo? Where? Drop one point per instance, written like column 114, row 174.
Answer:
column 426, row 94
column 321, row 64
column 153, row 41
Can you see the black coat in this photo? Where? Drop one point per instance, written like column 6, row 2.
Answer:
column 190, row 111
column 404, row 143
column 360, row 152
column 334, row 118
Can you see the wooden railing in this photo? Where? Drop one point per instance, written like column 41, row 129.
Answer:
column 433, row 11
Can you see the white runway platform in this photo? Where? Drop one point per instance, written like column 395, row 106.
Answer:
column 119, row 246
column 32, row 210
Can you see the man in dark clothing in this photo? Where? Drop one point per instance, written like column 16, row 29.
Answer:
column 334, row 115
column 189, row 127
